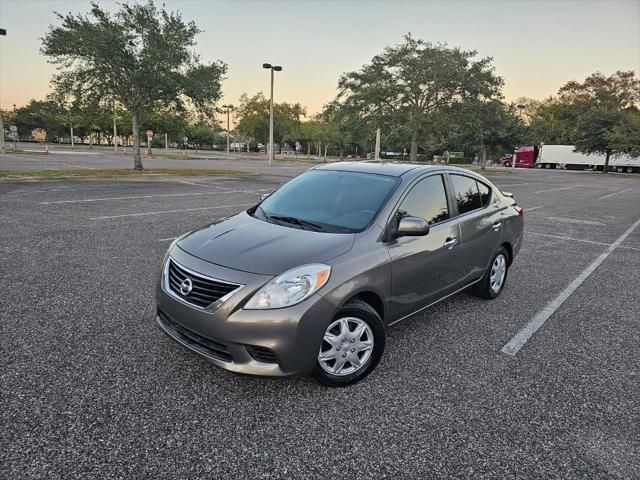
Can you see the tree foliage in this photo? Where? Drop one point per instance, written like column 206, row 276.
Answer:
column 39, row 115
column 253, row 122
column 141, row 57
column 410, row 84
column 603, row 111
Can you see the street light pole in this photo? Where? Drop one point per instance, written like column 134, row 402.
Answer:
column 520, row 108
column 271, row 149
column 229, row 108
column 273, row 68
column 115, row 131
column 2, row 32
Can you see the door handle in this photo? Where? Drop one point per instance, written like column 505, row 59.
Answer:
column 450, row 243
column 496, row 226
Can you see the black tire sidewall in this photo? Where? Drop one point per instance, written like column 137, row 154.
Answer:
column 484, row 285
column 365, row 312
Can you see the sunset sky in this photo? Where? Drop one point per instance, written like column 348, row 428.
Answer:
column 536, row 45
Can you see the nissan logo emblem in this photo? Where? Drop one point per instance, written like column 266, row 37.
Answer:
column 186, row 286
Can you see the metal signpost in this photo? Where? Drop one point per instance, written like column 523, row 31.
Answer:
column 14, row 135
column 149, row 139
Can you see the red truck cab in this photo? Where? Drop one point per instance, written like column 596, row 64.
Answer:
column 526, row 157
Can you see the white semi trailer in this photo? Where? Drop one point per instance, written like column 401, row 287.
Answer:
column 564, row 156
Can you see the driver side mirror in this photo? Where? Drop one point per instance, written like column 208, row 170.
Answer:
column 412, row 227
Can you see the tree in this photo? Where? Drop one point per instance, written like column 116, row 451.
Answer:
column 485, row 127
column 140, row 57
column 602, row 111
column 39, row 115
column 411, row 82
column 253, row 122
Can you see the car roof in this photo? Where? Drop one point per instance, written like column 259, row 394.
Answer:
column 394, row 169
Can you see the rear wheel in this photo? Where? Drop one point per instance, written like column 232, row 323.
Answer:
column 351, row 346
column 507, row 164
column 495, row 277
column 546, row 165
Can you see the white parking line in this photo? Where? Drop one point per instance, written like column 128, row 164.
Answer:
column 513, row 346
column 106, row 199
column 202, row 184
column 512, row 185
column 557, row 189
column 560, row 237
column 166, row 239
column 568, row 238
column 616, row 193
column 577, row 221
column 141, row 214
column 533, row 208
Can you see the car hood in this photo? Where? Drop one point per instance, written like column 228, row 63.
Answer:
column 245, row 243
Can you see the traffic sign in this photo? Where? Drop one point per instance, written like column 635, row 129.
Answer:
column 185, row 139
column 13, row 128
column 149, row 133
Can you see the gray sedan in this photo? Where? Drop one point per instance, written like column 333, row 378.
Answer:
column 309, row 280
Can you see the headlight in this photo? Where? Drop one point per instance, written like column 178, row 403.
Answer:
column 290, row 288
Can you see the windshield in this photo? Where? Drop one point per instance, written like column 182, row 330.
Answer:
column 328, row 201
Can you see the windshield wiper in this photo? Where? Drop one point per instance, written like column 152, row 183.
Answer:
column 297, row 221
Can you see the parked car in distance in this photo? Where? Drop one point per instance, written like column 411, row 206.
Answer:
column 308, row 280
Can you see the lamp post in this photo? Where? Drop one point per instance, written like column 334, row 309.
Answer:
column 2, row 32
column 520, row 108
column 273, row 68
column 229, row 108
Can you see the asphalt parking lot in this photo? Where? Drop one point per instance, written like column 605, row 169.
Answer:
column 92, row 389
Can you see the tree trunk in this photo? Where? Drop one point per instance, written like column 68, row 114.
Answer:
column 326, row 147
column 605, row 168
column 341, row 154
column 413, row 156
column 483, row 153
column 137, row 161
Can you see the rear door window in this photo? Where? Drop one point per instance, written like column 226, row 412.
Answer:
column 428, row 200
column 485, row 193
column 467, row 194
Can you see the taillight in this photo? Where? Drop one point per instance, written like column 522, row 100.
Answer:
column 520, row 210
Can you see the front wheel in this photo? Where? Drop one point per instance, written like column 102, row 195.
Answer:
column 495, row 277
column 351, row 346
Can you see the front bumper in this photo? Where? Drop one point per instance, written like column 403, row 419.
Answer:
column 277, row 342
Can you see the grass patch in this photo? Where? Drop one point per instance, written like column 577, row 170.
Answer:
column 118, row 172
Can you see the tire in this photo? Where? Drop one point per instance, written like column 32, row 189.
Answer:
column 484, row 288
column 355, row 314
column 546, row 165
column 507, row 164
column 538, row 165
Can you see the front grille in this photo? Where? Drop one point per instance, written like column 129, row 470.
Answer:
column 196, row 342
column 204, row 291
column 261, row 354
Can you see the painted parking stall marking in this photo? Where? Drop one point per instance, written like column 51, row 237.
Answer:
column 520, row 339
column 558, row 189
column 141, row 214
column 615, row 193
